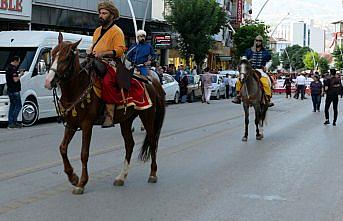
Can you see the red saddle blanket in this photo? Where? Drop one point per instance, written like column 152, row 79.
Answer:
column 136, row 96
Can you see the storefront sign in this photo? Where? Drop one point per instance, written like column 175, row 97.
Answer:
column 16, row 9
column 162, row 41
column 239, row 11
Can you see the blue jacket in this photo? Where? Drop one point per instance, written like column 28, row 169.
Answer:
column 139, row 53
column 264, row 59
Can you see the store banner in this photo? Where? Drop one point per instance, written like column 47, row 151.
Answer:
column 16, row 9
column 239, row 11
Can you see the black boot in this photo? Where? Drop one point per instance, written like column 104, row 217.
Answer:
column 237, row 99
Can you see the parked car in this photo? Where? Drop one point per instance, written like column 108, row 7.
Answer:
column 171, row 87
column 218, row 86
column 194, row 88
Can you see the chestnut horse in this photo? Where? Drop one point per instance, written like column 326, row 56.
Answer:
column 80, row 111
column 252, row 95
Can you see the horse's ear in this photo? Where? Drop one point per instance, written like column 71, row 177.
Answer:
column 60, row 38
column 74, row 46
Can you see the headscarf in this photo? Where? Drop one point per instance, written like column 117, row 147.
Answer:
column 109, row 6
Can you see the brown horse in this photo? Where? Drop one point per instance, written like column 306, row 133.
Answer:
column 252, row 95
column 80, row 107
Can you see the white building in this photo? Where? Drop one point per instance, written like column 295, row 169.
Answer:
column 308, row 36
column 278, row 45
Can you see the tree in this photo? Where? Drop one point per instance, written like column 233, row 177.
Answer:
column 311, row 60
column 245, row 36
column 323, row 65
column 196, row 21
column 338, row 57
column 275, row 61
column 288, row 54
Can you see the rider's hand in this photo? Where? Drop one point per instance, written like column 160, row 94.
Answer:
column 98, row 54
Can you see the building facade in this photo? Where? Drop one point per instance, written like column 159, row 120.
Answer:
column 308, row 36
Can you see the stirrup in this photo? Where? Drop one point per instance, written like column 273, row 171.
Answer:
column 236, row 100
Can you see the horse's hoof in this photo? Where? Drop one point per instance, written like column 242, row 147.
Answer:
column 78, row 190
column 244, row 139
column 152, row 179
column 74, row 180
column 118, row 183
column 259, row 137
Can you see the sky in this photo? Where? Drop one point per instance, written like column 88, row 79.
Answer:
column 323, row 12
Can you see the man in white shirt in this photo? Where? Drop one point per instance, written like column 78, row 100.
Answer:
column 300, row 83
column 2, row 83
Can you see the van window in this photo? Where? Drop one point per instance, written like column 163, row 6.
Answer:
column 44, row 55
column 26, row 56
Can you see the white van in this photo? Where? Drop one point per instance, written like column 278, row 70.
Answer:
column 33, row 48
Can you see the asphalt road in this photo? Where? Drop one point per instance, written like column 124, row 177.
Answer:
column 205, row 171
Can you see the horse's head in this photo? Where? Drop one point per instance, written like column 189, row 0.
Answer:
column 65, row 59
column 245, row 68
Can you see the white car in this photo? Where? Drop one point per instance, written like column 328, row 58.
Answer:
column 218, row 87
column 171, row 87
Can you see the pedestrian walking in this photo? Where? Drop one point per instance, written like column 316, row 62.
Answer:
column 316, row 93
column 300, row 82
column 207, row 81
column 288, row 86
column 332, row 87
column 232, row 83
column 183, row 87
column 227, row 86
column 13, row 91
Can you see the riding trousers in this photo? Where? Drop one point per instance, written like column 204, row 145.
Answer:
column 265, row 82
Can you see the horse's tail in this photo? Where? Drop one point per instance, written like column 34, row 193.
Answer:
column 160, row 106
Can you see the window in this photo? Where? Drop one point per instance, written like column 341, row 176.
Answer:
column 26, row 57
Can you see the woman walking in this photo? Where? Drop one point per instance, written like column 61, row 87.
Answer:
column 288, row 85
column 316, row 93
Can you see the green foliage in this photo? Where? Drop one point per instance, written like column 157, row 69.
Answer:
column 323, row 65
column 246, row 34
column 275, row 61
column 296, row 54
column 311, row 60
column 196, row 21
column 337, row 54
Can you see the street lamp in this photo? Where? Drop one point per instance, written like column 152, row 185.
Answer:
column 261, row 9
column 282, row 19
column 289, row 60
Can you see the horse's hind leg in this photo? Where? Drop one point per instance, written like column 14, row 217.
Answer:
column 129, row 144
column 246, row 113
column 86, row 139
column 68, row 169
column 148, row 120
column 257, row 122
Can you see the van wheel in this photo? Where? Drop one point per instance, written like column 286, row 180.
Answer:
column 29, row 113
column 176, row 98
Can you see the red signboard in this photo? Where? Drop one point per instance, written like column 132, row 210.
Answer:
column 11, row 5
column 239, row 11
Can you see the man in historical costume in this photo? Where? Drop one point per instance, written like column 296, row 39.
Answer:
column 108, row 41
column 258, row 57
column 141, row 53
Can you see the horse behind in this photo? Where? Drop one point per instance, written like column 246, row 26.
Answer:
column 252, row 95
column 80, row 111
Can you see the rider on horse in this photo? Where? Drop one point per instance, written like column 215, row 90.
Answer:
column 258, row 57
column 108, row 41
column 141, row 53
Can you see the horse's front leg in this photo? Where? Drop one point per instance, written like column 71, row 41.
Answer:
column 129, row 144
column 246, row 113
column 86, row 139
column 68, row 169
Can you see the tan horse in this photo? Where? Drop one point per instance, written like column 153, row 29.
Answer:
column 80, row 111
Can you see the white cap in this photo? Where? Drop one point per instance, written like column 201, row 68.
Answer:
column 141, row 32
